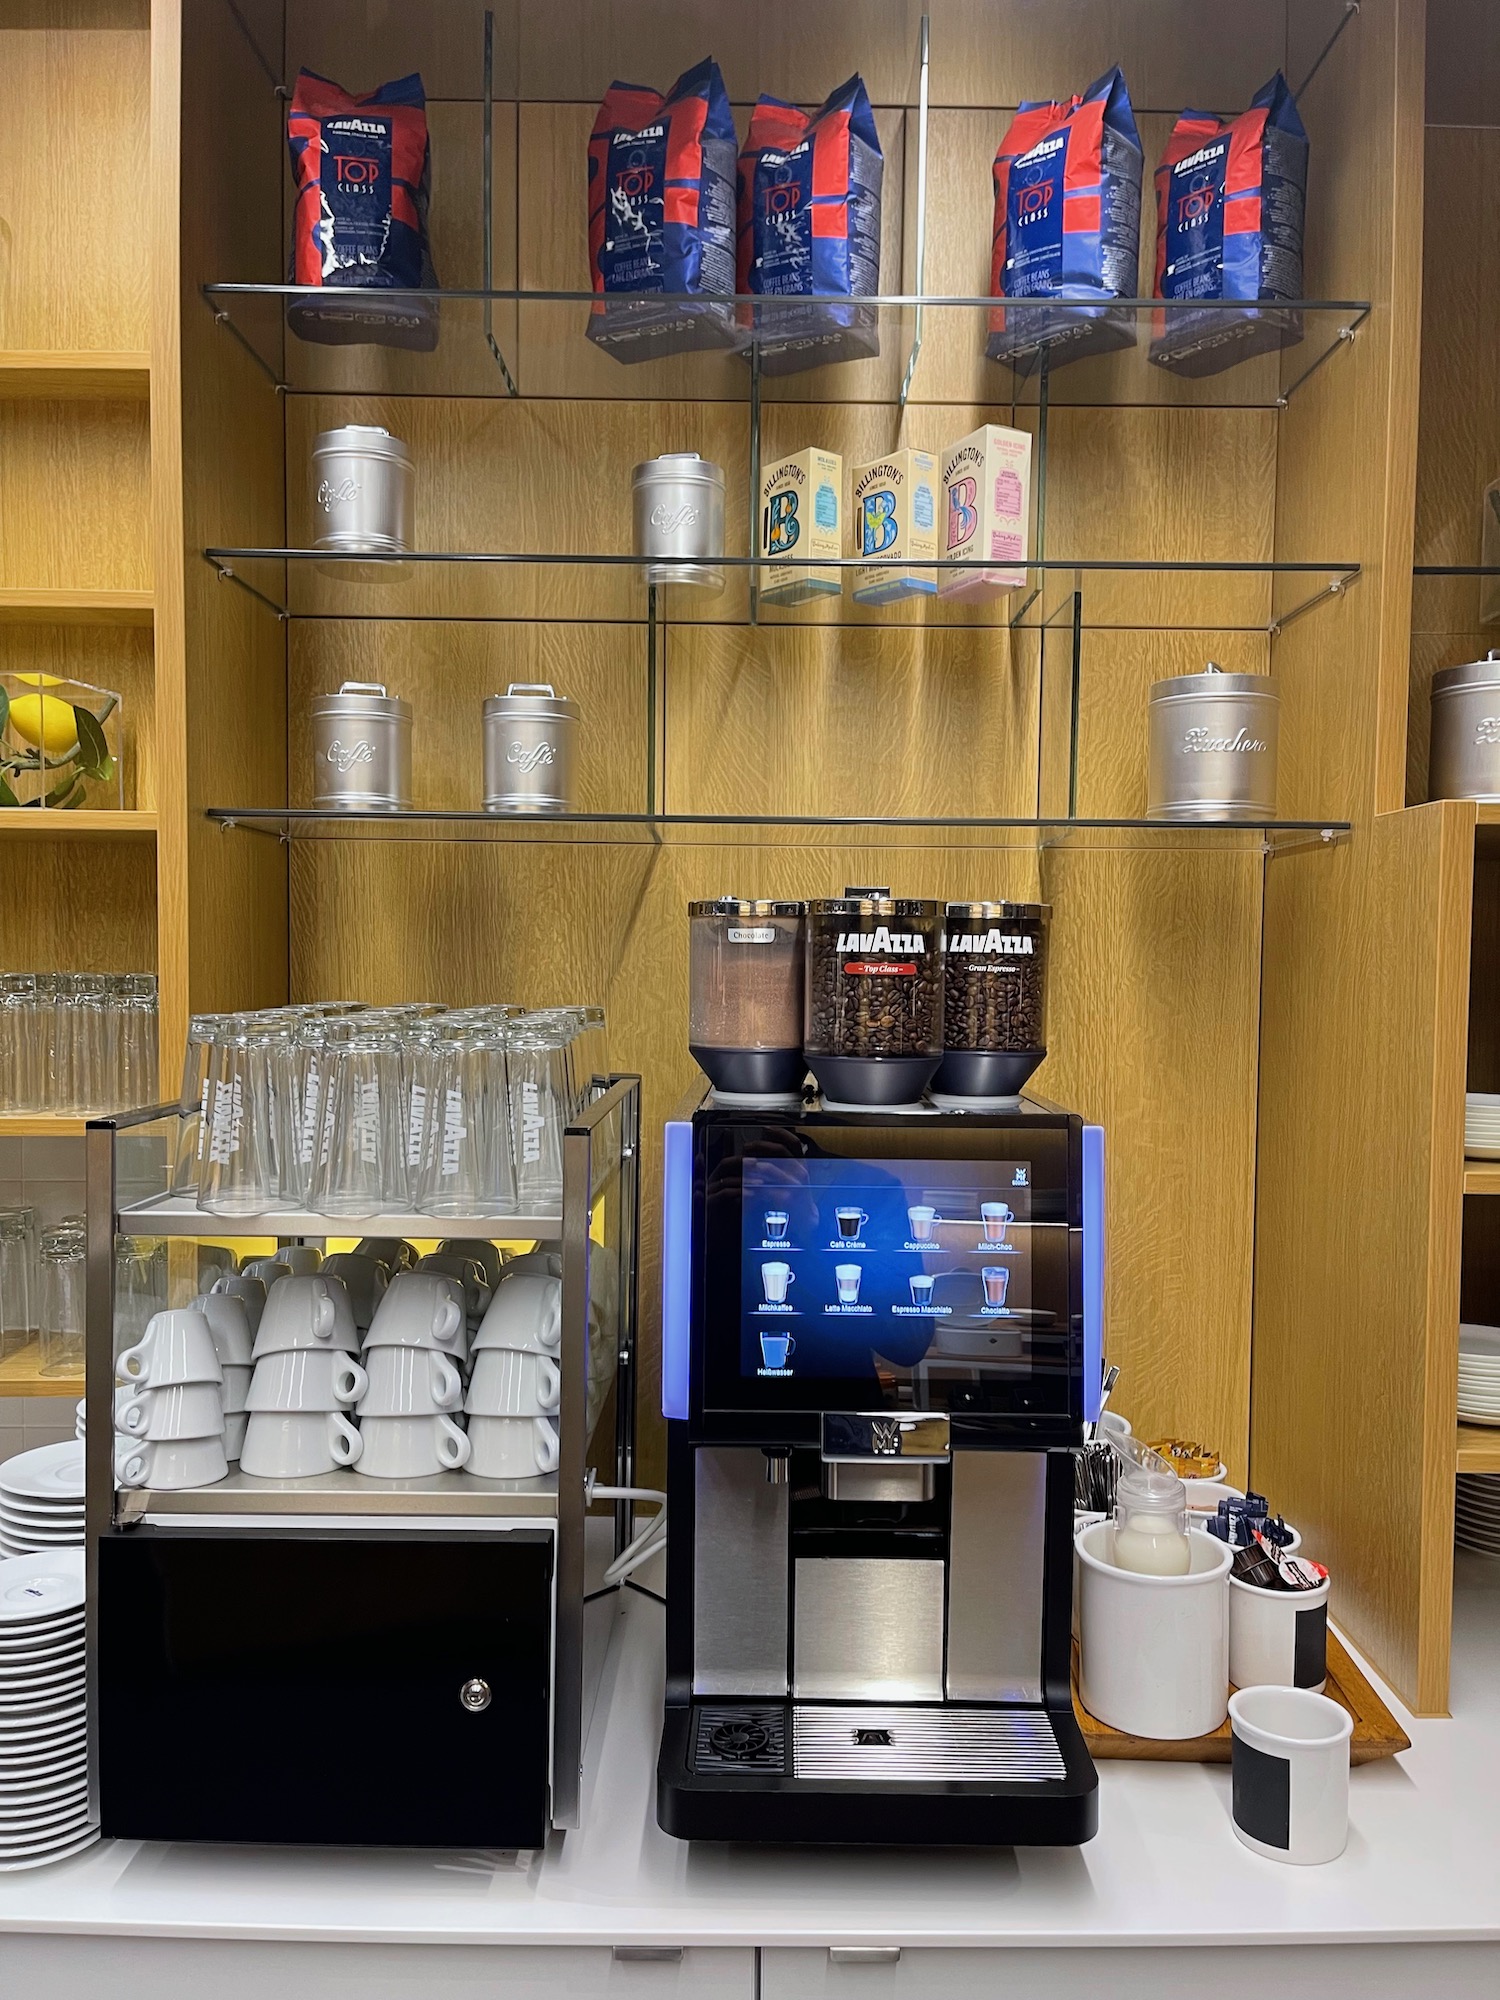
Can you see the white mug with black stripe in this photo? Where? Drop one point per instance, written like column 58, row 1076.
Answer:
column 1290, row 1758
column 1278, row 1638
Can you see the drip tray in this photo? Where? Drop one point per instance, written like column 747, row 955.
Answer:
column 920, row 1745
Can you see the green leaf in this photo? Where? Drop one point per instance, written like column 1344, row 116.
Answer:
column 92, row 747
column 7, row 796
column 61, row 789
column 4, row 710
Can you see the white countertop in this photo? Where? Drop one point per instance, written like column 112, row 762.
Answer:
column 1423, row 1862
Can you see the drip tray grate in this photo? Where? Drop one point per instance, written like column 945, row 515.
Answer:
column 740, row 1739
column 915, row 1745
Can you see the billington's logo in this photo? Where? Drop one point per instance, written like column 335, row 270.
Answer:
column 909, row 944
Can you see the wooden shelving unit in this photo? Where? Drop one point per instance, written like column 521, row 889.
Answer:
column 22, row 824
column 56, row 378
column 75, row 607
column 21, row 1375
column 1478, row 1448
column 41, row 1125
column 1482, row 1176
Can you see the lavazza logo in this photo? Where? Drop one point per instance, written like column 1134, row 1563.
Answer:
column 908, row 944
column 992, row 943
column 356, row 125
column 1202, row 158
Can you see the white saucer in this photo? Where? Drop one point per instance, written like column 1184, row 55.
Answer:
column 52, row 1470
column 35, row 1588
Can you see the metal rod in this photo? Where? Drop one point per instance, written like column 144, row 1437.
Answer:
column 255, row 49
column 226, row 319
column 487, row 227
column 1335, row 587
column 227, row 574
column 755, row 484
column 1342, row 339
column 1351, row 8
column 924, row 41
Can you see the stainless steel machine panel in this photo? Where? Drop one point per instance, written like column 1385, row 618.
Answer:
column 739, row 1576
column 868, row 1630
column 916, row 1745
column 995, row 1560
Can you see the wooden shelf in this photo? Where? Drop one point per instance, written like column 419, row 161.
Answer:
column 1478, row 1448
column 1488, row 815
column 40, row 1125
column 21, row 1375
column 75, row 607
column 1482, row 1176
column 75, row 377
column 21, row 823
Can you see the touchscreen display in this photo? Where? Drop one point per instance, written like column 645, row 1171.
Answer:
column 855, row 1269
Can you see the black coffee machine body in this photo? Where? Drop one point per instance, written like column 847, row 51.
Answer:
column 877, row 1331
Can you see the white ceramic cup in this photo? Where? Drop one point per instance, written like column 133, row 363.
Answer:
column 306, row 1379
column 306, row 1312
column 249, row 1291
column 236, row 1390
column 267, row 1269
column 301, row 1259
column 1290, row 1787
column 235, row 1423
column 470, row 1274
column 525, row 1314
column 1278, row 1638
column 488, row 1256
column 535, row 1264
column 229, row 1323
column 410, row 1382
column 411, row 1447
column 298, row 1444
column 186, row 1410
column 174, row 1463
column 421, row 1309
column 393, row 1251
column 176, row 1347
column 512, row 1447
column 363, row 1277
column 1154, row 1650
column 509, row 1383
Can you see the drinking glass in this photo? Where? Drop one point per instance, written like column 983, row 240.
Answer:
column 93, row 1036
column 44, row 1028
column 135, row 1039
column 17, row 1244
column 140, row 1286
column 62, row 1301
column 239, row 1165
column 192, row 1130
column 539, row 1109
column 466, row 1151
column 361, row 1167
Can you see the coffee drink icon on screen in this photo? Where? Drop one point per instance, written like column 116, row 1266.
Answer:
column 851, row 1222
column 995, row 1215
column 921, row 1288
column 776, row 1225
column 847, row 1276
column 922, row 1221
column 776, row 1278
column 996, row 1283
column 775, row 1347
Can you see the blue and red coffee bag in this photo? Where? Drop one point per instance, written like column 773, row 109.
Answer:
column 809, row 227
column 1067, row 227
column 1231, row 197
column 661, row 217
column 361, row 168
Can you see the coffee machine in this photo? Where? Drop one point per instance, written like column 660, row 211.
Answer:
column 877, row 1332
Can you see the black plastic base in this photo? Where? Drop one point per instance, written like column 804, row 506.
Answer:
column 987, row 1072
column 783, row 1811
column 878, row 1081
column 752, row 1072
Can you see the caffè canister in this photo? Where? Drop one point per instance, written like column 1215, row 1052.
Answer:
column 873, row 1032
column 679, row 516
column 362, row 482
column 361, row 749
column 530, row 750
column 1213, row 747
column 1465, row 756
column 994, row 1002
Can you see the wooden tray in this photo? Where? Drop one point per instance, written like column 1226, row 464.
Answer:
column 1376, row 1731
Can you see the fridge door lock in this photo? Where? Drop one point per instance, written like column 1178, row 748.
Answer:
column 475, row 1695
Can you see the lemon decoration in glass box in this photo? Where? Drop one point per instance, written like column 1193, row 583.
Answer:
column 59, row 743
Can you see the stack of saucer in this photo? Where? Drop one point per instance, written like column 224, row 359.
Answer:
column 1476, row 1523
column 44, row 1783
column 1479, row 1374
column 41, row 1499
column 1481, row 1125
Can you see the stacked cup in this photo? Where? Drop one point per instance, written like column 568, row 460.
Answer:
column 414, row 1355
column 364, row 1277
column 250, row 1291
column 516, row 1382
column 171, row 1423
column 305, row 1377
column 471, row 1277
column 229, row 1323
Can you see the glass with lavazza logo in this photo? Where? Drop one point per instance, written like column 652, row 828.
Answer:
column 994, row 1002
column 873, row 1021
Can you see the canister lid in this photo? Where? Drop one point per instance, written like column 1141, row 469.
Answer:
column 1472, row 674
column 745, row 906
column 372, row 440
column 677, row 466
column 363, row 698
column 537, row 700
column 1213, row 684
column 875, row 906
column 999, row 913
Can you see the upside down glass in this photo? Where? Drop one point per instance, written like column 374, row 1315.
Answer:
column 466, row 1147
column 540, row 1106
column 361, row 1167
column 239, row 1161
column 18, row 1323
column 62, row 1260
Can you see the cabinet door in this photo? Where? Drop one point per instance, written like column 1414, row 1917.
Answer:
column 309, row 1687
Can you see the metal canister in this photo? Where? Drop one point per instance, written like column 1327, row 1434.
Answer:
column 1464, row 761
column 1213, row 747
column 679, row 519
column 362, row 481
column 361, row 749
column 530, row 750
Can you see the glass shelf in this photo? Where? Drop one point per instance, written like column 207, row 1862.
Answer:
column 180, row 1215
column 479, row 584
column 707, row 830
column 930, row 349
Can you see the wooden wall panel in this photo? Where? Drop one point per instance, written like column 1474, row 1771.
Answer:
column 79, row 906
column 74, row 496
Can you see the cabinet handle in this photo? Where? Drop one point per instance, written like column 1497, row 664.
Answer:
column 475, row 1695
column 647, row 1954
column 864, row 1954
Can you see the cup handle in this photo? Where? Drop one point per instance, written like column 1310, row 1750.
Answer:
column 791, row 1345
column 132, row 1465
column 447, row 1383
column 344, row 1441
column 546, row 1448
column 349, row 1380
column 134, row 1364
column 549, row 1381
column 325, row 1315
column 453, row 1445
column 791, row 1277
column 549, row 1322
column 134, row 1417
column 447, row 1320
